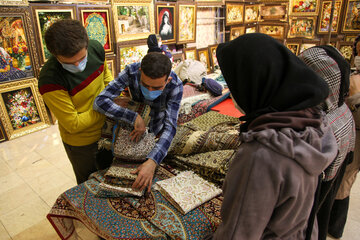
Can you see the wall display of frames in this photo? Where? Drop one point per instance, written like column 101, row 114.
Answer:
column 277, row 31
column 133, row 19
column 251, row 13
column 236, row 31
column 111, row 63
column 351, row 18
column 212, row 55
column 346, row 49
column 166, row 22
column 234, row 13
column 44, row 16
column 308, row 44
column 203, row 56
column 190, row 53
column 294, row 47
column 129, row 54
column 14, row 2
column 302, row 27
column 98, row 24
column 324, row 20
column 273, row 12
column 187, row 23
column 19, row 58
column 304, row 7
column 22, row 109
column 177, row 59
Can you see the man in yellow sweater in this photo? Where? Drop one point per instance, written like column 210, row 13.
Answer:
column 69, row 82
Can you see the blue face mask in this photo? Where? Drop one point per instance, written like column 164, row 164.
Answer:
column 75, row 69
column 150, row 95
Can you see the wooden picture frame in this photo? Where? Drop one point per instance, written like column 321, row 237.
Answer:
column 18, row 44
column 44, row 16
column 304, row 8
column 308, row 44
column 98, row 22
column 273, row 12
column 236, row 31
column 302, row 27
column 186, row 14
column 14, row 3
column 190, row 53
column 22, row 109
column 346, row 49
column 139, row 25
column 277, row 31
column 111, row 62
column 203, row 56
column 177, row 59
column 234, row 13
column 293, row 46
column 351, row 23
column 323, row 21
column 251, row 13
column 213, row 58
column 128, row 53
column 166, row 12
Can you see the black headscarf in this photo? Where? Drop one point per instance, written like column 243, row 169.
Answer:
column 152, row 43
column 264, row 76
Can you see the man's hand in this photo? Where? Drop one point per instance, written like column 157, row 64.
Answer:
column 145, row 176
column 139, row 129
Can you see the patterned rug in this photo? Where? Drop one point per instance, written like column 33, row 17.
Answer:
column 149, row 217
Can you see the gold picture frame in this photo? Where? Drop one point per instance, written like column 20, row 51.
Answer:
column 302, row 27
column 294, row 47
column 236, row 31
column 139, row 25
column 351, row 18
column 111, row 62
column 22, row 108
column 14, row 3
column 128, row 53
column 308, row 44
column 203, row 56
column 346, row 49
column 167, row 31
column 213, row 58
column 304, row 8
column 275, row 30
column 273, row 12
column 251, row 13
column 190, row 53
column 186, row 14
column 323, row 24
column 234, row 13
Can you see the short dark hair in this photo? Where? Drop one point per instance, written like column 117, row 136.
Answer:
column 156, row 65
column 66, row 38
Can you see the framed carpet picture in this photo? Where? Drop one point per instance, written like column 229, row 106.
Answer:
column 236, row 31
column 22, row 109
column 19, row 58
column 44, row 16
column 14, row 3
column 302, row 27
column 203, row 56
column 133, row 19
column 273, row 12
column 98, row 24
column 187, row 23
column 166, row 22
column 251, row 13
column 304, row 8
column 190, row 53
column 130, row 53
column 213, row 59
column 234, row 13
column 294, row 47
column 274, row 30
column 351, row 18
column 308, row 44
column 251, row 28
column 346, row 49
column 111, row 62
column 177, row 59
column 324, row 20
column 350, row 38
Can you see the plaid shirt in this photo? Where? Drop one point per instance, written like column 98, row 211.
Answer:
column 164, row 109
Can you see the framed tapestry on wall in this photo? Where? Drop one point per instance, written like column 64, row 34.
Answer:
column 22, row 108
column 302, row 27
column 213, row 59
column 130, row 53
column 350, row 38
column 14, row 3
column 234, row 13
column 133, row 19
column 252, row 28
column 277, row 31
column 17, row 45
column 166, row 22
column 304, row 8
column 3, row 136
column 251, row 13
column 351, row 18
column 294, row 46
column 323, row 24
column 177, row 59
column 346, row 49
column 236, row 31
column 203, row 56
column 273, row 12
column 190, row 53
column 98, row 24
column 187, row 23
column 44, row 16
column 111, row 62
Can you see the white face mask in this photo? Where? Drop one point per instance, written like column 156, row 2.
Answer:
column 159, row 43
column 357, row 62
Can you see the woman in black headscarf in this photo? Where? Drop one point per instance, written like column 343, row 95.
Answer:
column 153, row 43
column 286, row 144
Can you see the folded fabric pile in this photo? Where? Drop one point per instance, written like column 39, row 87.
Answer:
column 118, row 181
column 187, row 191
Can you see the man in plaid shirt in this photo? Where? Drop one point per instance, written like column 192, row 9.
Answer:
column 153, row 83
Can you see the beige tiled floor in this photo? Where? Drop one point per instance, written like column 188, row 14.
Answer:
column 34, row 171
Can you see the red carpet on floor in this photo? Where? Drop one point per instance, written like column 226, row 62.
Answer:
column 227, row 107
